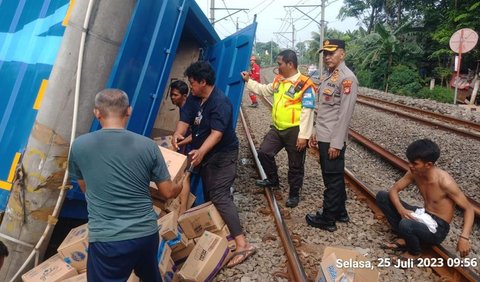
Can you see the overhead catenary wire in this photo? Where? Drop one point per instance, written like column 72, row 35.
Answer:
column 228, row 12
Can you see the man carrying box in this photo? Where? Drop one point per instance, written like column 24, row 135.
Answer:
column 209, row 113
column 114, row 167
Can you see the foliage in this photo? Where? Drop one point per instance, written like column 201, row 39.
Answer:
column 266, row 53
column 443, row 74
column 397, row 41
column 440, row 94
column 404, row 80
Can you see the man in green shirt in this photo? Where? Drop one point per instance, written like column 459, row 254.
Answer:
column 113, row 167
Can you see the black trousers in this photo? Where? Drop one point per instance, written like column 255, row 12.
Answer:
column 218, row 174
column 415, row 233
column 334, row 196
column 273, row 142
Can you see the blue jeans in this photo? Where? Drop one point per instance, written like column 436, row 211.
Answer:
column 415, row 233
column 115, row 261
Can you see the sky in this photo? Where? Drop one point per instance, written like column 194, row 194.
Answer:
column 274, row 20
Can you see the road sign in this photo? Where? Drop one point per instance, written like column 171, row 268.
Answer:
column 463, row 40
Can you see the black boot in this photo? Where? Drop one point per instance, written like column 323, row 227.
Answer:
column 292, row 202
column 321, row 222
column 267, row 183
column 342, row 217
column 293, row 197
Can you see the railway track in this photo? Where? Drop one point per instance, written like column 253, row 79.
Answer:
column 437, row 252
column 459, row 126
column 295, row 268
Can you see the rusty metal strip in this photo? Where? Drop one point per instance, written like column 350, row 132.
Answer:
column 471, row 134
column 465, row 123
column 295, row 268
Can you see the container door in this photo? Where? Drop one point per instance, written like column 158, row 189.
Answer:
column 229, row 57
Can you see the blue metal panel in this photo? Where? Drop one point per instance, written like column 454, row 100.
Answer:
column 30, row 36
column 145, row 58
column 229, row 57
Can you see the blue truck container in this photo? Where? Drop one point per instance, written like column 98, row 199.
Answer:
column 160, row 42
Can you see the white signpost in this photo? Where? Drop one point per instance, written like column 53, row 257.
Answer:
column 462, row 41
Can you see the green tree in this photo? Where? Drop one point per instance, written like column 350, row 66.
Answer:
column 386, row 47
column 368, row 12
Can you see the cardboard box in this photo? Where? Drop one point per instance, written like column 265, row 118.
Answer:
column 204, row 217
column 180, row 256
column 174, row 204
column 206, row 258
column 170, row 204
column 225, row 232
column 180, row 242
column 52, row 270
column 79, row 278
column 158, row 211
column 168, row 226
column 74, row 248
column 166, row 266
column 353, row 266
column 164, row 141
column 176, row 163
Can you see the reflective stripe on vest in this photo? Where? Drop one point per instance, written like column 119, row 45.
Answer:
column 287, row 108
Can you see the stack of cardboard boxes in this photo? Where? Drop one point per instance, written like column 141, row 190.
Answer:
column 70, row 260
column 193, row 246
column 196, row 244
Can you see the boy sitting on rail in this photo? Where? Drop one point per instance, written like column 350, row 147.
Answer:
column 440, row 193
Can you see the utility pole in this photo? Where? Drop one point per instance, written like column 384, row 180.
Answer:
column 322, row 37
column 271, row 52
column 293, row 37
column 321, row 24
column 212, row 12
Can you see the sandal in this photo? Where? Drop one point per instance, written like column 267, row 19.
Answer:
column 394, row 246
column 241, row 256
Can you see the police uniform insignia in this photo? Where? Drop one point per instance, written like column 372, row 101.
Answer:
column 347, row 86
column 335, row 76
column 327, row 91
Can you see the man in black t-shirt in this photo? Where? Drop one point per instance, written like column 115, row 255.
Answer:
column 209, row 113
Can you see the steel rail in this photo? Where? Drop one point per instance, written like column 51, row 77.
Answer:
column 465, row 123
column 450, row 273
column 295, row 266
column 473, row 133
column 396, row 161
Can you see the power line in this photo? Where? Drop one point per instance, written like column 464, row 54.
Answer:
column 225, row 5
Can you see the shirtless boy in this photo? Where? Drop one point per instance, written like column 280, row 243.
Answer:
column 440, row 193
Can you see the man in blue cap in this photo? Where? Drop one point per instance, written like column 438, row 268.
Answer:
column 337, row 95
